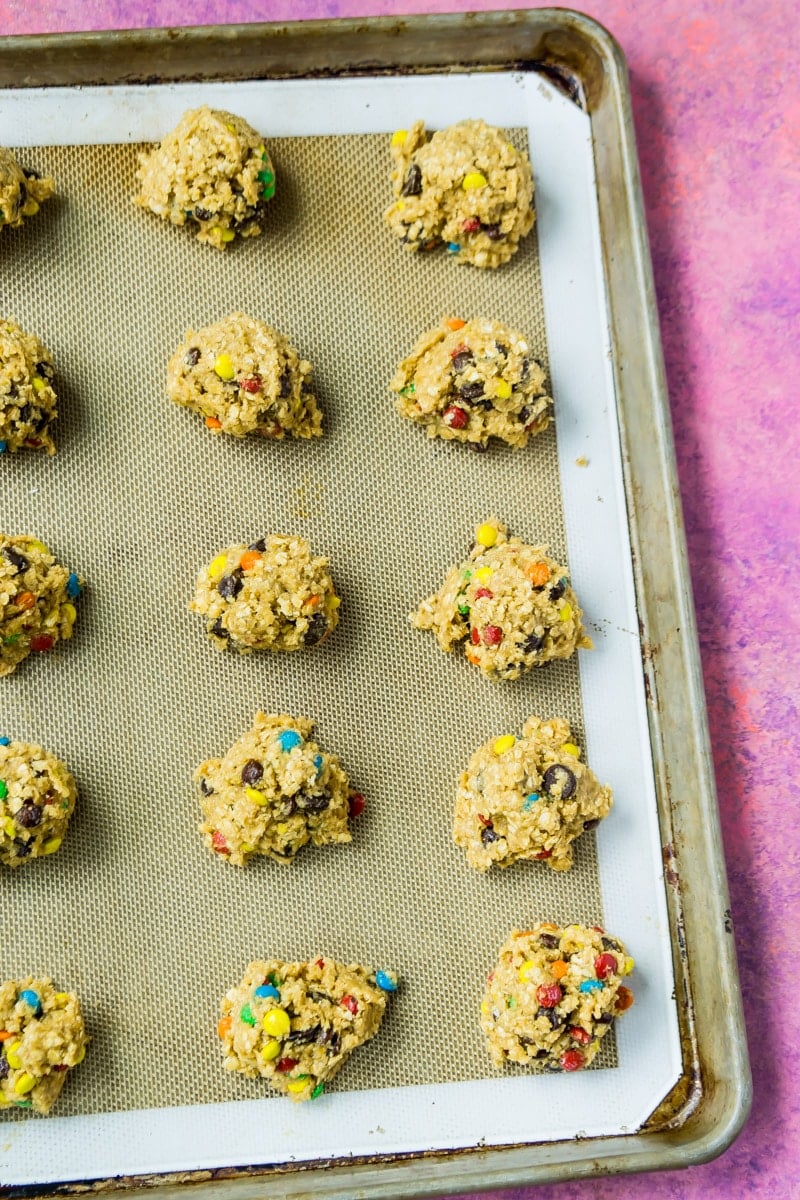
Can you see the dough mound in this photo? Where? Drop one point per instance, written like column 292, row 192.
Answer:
column 296, row 1024
column 244, row 378
column 527, row 797
column 472, row 380
column 36, row 600
column 214, row 172
column 511, row 606
column 553, row 995
column 273, row 792
column 21, row 191
column 271, row 595
column 41, row 1038
column 37, row 798
column 465, row 187
column 27, row 400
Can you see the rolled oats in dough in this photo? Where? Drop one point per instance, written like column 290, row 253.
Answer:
column 37, row 599
column 273, row 792
column 296, row 1024
column 271, row 595
column 472, row 380
column 465, row 187
column 509, row 604
column 243, row 377
column 42, row 1037
column 21, row 191
column 554, row 995
column 527, row 797
column 37, row 798
column 212, row 172
column 28, row 402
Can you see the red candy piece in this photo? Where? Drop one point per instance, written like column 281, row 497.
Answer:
column 219, row 843
column 579, row 1035
column 455, row 417
column 474, row 636
column 350, row 1003
column 320, row 963
column 624, row 998
column 549, row 994
column 483, row 592
column 605, row 965
column 42, row 642
column 286, row 1064
column 544, row 854
column 483, row 820
column 356, row 804
column 492, row 635
column 462, row 349
column 471, row 225
column 571, row 1060
column 251, row 384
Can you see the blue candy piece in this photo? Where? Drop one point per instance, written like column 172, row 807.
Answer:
column 32, row 1000
column 386, row 981
column 530, row 801
column 267, row 991
column 318, row 762
column 590, row 985
column 4, row 741
column 73, row 586
column 289, row 738
column 3, row 446
column 453, row 247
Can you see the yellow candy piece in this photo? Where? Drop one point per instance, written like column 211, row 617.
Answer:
column 501, row 744
column 298, row 1085
column 595, row 1045
column 400, row 205
column 486, row 535
column 256, row 796
column 25, row 1083
column 399, row 136
column 502, row 389
column 566, row 612
column 51, row 845
column 247, row 848
column 484, row 573
column 217, row 566
column 485, row 1007
column 31, row 208
column 473, row 180
column 276, row 1022
column 4, row 1101
column 223, row 365
column 35, row 544
column 69, row 611
column 61, row 998
column 12, row 1057
column 9, row 827
column 227, row 235
column 525, row 970
column 80, row 1056
column 333, row 602
column 38, row 384
column 282, row 827
column 628, row 967
column 270, row 1050
column 571, row 748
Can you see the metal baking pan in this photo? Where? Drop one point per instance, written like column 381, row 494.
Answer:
column 578, row 61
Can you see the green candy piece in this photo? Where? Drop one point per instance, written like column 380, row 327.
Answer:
column 24, row 1103
column 268, row 192
column 246, row 1015
column 318, row 1090
column 265, row 176
column 11, row 640
column 463, row 610
column 3, row 789
column 408, row 390
column 274, row 980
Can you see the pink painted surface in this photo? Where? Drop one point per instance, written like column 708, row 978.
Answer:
column 717, row 110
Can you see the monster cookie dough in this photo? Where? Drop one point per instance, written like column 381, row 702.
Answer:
column 296, row 1024
column 27, row 400
column 465, row 187
column 553, row 995
column 509, row 603
column 272, row 595
column 273, row 792
column 213, row 171
column 21, row 191
column 37, row 796
column 472, row 380
column 41, row 1038
column 36, row 600
column 527, row 797
column 244, row 378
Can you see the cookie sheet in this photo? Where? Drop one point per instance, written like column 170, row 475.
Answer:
column 133, row 912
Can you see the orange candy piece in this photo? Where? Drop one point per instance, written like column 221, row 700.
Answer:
column 5, row 1035
column 26, row 600
column 213, row 423
column 538, row 574
column 559, row 968
column 313, row 601
column 249, row 560
column 624, row 998
column 455, row 323
column 224, row 1026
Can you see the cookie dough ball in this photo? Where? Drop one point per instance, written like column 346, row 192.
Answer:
column 41, row 1038
column 296, row 1024
column 213, row 172
column 28, row 403
column 465, row 187
column 244, row 378
column 21, row 191
column 509, row 604
column 272, row 595
column 37, row 798
column 273, row 792
column 472, row 380
column 553, row 996
column 37, row 599
column 527, row 797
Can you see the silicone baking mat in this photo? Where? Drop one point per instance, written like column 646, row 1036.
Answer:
column 134, row 913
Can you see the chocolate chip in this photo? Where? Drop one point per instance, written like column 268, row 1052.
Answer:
column 289, row 807
column 533, row 643
column 22, row 849
column 478, row 447
column 319, row 996
column 29, row 816
column 205, row 786
column 611, row 944
column 317, row 628
column 558, row 589
column 303, row 1037
column 41, row 421
column 260, row 545
column 313, row 804
column 552, row 1016
column 29, row 173
column 331, row 1040
column 285, row 384
column 202, row 214
column 471, row 392
column 44, row 369
column 412, row 184
column 18, row 560
column 488, row 835
column 219, row 630
column 605, row 1019
column 461, row 360
column 192, row 357
column 526, row 367
column 230, row 585
column 547, row 939
column 501, row 349
column 252, row 771
column 493, row 232
column 558, row 780
column 587, row 825
column 4, row 1067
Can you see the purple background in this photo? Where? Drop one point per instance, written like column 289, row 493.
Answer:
column 717, row 109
